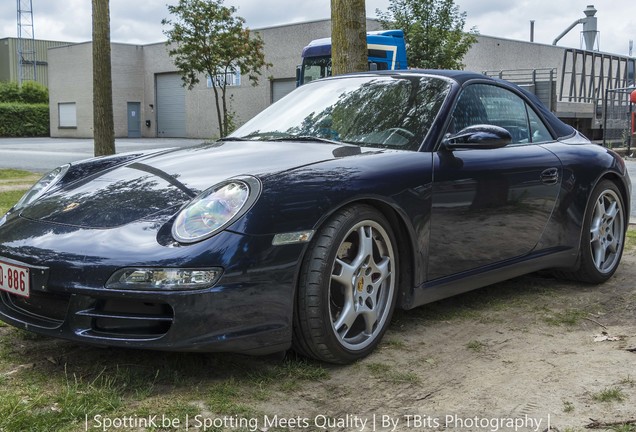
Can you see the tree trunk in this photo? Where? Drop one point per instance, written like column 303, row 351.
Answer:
column 348, row 37
column 219, row 115
column 103, row 126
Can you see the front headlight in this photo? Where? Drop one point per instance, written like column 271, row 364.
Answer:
column 215, row 209
column 42, row 186
column 164, row 279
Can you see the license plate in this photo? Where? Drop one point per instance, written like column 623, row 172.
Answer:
column 15, row 279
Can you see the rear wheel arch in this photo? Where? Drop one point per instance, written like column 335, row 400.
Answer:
column 615, row 178
column 602, row 228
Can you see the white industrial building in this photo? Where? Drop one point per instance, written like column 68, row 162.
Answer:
column 150, row 101
column 148, row 97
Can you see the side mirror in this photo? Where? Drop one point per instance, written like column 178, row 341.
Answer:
column 478, row 137
column 298, row 75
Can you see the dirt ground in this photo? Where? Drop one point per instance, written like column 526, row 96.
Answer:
column 520, row 355
column 523, row 350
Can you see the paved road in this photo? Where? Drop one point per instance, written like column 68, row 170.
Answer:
column 44, row 154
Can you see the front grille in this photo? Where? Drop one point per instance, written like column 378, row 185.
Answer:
column 47, row 306
column 115, row 318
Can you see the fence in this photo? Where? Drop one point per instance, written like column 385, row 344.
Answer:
column 618, row 116
column 541, row 82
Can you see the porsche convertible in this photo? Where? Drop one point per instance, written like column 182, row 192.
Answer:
column 310, row 224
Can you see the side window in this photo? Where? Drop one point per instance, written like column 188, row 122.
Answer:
column 540, row 133
column 469, row 110
column 489, row 104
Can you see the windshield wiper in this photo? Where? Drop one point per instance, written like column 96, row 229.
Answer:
column 305, row 138
column 231, row 138
column 301, row 138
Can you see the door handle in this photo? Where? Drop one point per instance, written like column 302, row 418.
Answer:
column 550, row 176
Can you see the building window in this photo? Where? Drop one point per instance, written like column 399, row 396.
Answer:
column 67, row 114
column 232, row 78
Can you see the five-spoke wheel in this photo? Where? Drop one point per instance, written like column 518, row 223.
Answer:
column 607, row 231
column 603, row 234
column 348, row 287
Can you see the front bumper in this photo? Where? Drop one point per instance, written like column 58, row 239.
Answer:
column 249, row 310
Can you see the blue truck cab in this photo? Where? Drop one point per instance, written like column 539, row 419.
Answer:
column 386, row 51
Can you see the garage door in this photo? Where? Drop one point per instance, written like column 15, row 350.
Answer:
column 281, row 87
column 170, row 106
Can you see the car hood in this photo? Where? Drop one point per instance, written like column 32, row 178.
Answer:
column 154, row 187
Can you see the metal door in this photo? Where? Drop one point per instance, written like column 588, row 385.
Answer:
column 134, row 120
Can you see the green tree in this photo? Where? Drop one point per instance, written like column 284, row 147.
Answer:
column 206, row 38
column 103, row 124
column 434, row 32
column 348, row 36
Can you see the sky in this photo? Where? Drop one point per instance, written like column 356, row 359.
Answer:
column 139, row 22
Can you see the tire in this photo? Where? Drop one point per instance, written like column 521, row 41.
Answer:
column 347, row 288
column 603, row 236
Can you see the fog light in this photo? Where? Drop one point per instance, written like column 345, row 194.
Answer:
column 168, row 279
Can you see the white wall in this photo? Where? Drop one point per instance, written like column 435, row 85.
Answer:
column 71, row 80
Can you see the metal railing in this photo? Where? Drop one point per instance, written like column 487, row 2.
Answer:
column 617, row 118
column 541, row 82
column 587, row 75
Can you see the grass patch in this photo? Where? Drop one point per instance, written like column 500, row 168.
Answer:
column 570, row 317
column 18, row 181
column 630, row 240
column 568, row 406
column 11, row 174
column 394, row 343
column 8, row 199
column 482, row 305
column 624, row 428
column 57, row 396
column 476, row 346
column 50, row 385
column 385, row 372
column 287, row 376
column 224, row 398
column 613, row 394
column 42, row 407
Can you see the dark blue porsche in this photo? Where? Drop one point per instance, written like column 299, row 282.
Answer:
column 309, row 225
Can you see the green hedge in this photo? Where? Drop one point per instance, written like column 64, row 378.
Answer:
column 24, row 120
column 30, row 93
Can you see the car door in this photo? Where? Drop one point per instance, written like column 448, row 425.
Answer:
column 491, row 205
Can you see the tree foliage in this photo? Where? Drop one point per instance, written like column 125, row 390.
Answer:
column 434, row 32
column 207, row 38
column 348, row 36
column 103, row 123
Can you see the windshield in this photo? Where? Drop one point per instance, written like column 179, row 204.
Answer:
column 370, row 111
column 315, row 68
